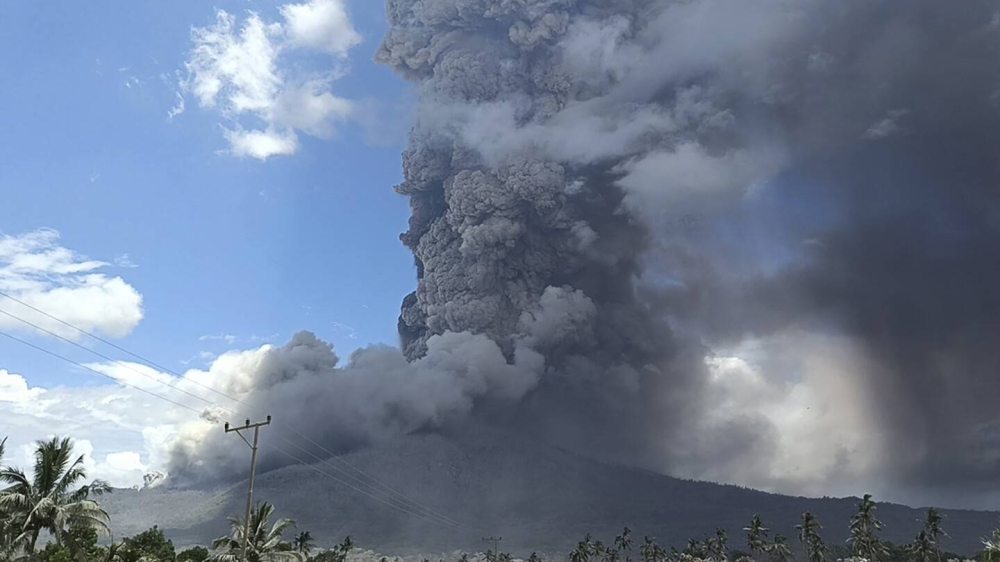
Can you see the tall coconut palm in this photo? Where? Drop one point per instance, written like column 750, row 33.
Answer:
column 623, row 543
column 757, row 535
column 8, row 529
column 264, row 544
column 864, row 541
column 303, row 542
column 651, row 552
column 52, row 499
column 780, row 551
column 991, row 547
column 922, row 549
column 719, row 550
column 583, row 550
column 812, row 543
column 932, row 526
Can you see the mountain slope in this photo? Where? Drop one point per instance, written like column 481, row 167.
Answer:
column 536, row 497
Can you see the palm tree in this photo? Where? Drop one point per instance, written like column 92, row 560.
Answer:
column 780, row 551
column 8, row 529
column 757, row 535
column 694, row 549
column 583, row 550
column 719, row 549
column 650, row 551
column 932, row 526
column 303, row 542
column 263, row 545
column 864, row 539
column 50, row 500
column 991, row 547
column 922, row 549
column 623, row 543
column 810, row 539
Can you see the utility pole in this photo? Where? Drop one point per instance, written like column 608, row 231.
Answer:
column 496, row 547
column 253, row 471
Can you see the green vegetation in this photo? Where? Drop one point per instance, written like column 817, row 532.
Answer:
column 51, row 500
column 56, row 504
column 193, row 554
column 264, row 543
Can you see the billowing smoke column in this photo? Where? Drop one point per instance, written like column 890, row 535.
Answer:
column 799, row 165
column 742, row 240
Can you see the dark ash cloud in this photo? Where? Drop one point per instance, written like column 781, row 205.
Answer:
column 610, row 192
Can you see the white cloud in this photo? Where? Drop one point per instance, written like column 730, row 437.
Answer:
column 310, row 108
column 262, row 144
column 124, row 261
column 344, row 329
column 239, row 65
column 228, row 338
column 125, row 460
column 200, row 356
column 35, row 269
column 134, row 374
column 14, row 388
column 243, row 72
column 122, row 432
column 322, row 25
column 176, row 109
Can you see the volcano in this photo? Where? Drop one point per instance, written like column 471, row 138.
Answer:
column 537, row 497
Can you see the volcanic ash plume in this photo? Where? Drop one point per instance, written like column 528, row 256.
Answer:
column 811, row 179
column 701, row 236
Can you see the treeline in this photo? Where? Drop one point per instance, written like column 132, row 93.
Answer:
column 56, row 503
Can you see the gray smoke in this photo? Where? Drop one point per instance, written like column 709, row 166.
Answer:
column 606, row 191
column 568, row 143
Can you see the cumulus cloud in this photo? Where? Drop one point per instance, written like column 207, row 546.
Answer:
column 14, row 388
column 248, row 72
column 36, row 269
column 108, row 423
column 322, row 25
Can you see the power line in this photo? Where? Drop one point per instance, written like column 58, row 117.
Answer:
column 386, row 486
column 391, row 491
column 401, row 498
column 105, row 357
column 186, row 407
column 106, row 342
column 82, row 366
column 433, row 515
column 356, row 489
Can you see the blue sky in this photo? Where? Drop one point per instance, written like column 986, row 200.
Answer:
column 222, row 244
